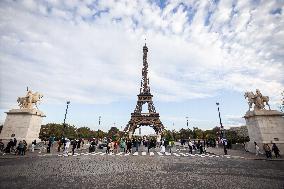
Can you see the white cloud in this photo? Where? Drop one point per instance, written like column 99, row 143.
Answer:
column 90, row 52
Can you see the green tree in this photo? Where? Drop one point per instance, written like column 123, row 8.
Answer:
column 197, row 133
column 113, row 133
column 84, row 132
column 100, row 134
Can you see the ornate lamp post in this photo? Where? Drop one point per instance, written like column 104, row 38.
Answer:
column 100, row 120
column 187, row 123
column 64, row 125
column 222, row 131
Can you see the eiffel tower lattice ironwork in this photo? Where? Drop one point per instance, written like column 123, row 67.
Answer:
column 152, row 118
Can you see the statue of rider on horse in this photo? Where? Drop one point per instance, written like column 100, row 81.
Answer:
column 257, row 99
column 29, row 100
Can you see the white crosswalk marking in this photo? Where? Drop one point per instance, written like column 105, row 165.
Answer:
column 184, row 154
column 151, row 153
column 144, row 153
column 160, row 154
column 176, row 154
column 119, row 154
column 168, row 154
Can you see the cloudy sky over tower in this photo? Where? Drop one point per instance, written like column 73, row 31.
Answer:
column 90, row 52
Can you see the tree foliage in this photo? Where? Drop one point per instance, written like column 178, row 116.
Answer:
column 234, row 135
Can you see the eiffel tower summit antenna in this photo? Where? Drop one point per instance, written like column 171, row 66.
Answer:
column 152, row 118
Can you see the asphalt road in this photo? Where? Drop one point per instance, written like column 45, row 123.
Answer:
column 105, row 171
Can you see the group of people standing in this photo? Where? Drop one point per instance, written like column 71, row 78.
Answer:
column 196, row 146
column 14, row 147
column 268, row 151
column 132, row 145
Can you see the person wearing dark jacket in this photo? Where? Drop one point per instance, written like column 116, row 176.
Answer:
column 276, row 150
column 74, row 145
column 9, row 146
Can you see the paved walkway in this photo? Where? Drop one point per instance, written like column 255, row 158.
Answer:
column 247, row 155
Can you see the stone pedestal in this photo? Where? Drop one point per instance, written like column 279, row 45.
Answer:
column 22, row 124
column 265, row 126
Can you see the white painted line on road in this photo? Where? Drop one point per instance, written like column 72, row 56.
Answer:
column 217, row 156
column 151, row 153
column 160, row 154
column 176, row 154
column 102, row 154
column 144, row 153
column 168, row 154
column 135, row 154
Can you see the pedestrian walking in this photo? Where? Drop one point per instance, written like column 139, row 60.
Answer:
column 67, row 145
column 267, row 150
column 14, row 144
column 25, row 147
column 201, row 148
column 163, row 148
column 21, row 148
column 225, row 143
column 122, row 145
column 59, row 143
column 9, row 146
column 74, row 145
column 49, row 146
column 108, row 146
column 256, row 149
column 33, row 145
column 275, row 150
column 190, row 146
column 128, row 146
column 2, row 146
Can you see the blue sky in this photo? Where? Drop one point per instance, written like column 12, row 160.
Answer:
column 90, row 52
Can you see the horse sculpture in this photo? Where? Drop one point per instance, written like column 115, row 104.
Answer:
column 29, row 100
column 259, row 101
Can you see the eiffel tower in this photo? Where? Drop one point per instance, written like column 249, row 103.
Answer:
column 152, row 118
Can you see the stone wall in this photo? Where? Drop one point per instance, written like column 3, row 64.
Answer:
column 22, row 124
column 265, row 126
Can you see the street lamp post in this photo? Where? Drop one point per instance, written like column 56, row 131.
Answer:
column 64, row 125
column 186, row 121
column 222, row 131
column 100, row 120
column 187, row 124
